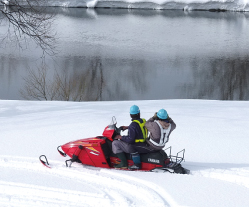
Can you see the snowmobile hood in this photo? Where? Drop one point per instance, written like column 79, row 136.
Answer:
column 85, row 142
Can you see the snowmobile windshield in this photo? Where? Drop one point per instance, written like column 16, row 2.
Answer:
column 113, row 123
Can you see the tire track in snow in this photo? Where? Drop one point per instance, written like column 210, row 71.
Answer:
column 111, row 188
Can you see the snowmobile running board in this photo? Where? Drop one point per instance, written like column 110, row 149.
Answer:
column 45, row 163
column 178, row 169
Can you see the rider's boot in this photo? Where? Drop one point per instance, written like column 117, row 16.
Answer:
column 123, row 163
column 137, row 161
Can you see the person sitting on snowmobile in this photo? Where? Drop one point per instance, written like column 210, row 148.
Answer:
column 160, row 127
column 137, row 133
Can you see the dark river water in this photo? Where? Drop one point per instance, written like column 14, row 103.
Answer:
column 119, row 54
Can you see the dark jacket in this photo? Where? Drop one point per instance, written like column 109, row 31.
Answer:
column 134, row 132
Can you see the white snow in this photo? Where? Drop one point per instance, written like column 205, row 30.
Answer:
column 215, row 135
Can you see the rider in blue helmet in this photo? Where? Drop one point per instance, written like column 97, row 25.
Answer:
column 162, row 114
column 134, row 110
column 137, row 133
column 160, row 127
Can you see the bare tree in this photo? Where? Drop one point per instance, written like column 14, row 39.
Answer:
column 38, row 86
column 224, row 79
column 69, row 88
column 84, row 86
column 28, row 19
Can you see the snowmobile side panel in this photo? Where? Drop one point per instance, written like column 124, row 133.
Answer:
column 157, row 158
column 144, row 166
column 90, row 154
column 97, row 156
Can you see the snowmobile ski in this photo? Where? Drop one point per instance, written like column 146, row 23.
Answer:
column 44, row 161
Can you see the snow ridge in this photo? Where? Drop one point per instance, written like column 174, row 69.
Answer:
column 239, row 176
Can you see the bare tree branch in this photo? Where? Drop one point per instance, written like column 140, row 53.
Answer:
column 29, row 20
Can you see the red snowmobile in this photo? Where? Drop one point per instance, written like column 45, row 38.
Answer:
column 97, row 152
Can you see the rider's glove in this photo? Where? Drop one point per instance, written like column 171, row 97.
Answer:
column 124, row 128
column 118, row 137
column 155, row 116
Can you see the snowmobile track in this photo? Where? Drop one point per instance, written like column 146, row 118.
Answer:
column 91, row 186
column 126, row 190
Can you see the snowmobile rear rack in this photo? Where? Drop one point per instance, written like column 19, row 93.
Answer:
column 174, row 165
column 176, row 159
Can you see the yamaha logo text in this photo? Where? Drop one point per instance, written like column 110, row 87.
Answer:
column 153, row 160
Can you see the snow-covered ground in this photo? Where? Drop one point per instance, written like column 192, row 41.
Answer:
column 215, row 135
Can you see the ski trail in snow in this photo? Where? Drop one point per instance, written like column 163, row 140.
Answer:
column 103, row 187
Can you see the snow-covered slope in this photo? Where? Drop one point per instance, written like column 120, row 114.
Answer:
column 214, row 134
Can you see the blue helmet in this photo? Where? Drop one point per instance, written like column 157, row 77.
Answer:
column 134, row 110
column 162, row 114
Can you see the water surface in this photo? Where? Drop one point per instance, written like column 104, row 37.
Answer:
column 122, row 54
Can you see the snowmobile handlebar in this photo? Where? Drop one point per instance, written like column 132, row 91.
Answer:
column 118, row 130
